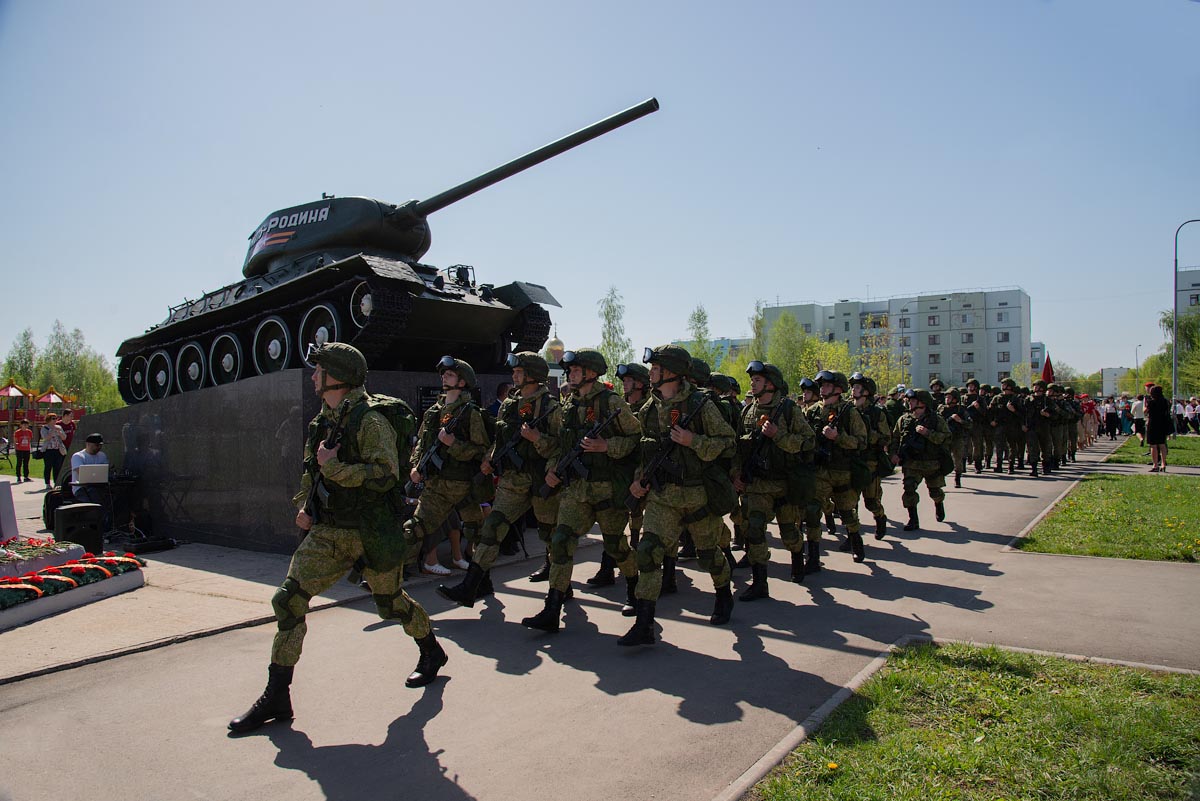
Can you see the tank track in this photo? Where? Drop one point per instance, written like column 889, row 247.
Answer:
column 389, row 315
column 532, row 329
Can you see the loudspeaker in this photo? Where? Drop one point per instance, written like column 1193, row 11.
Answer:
column 81, row 523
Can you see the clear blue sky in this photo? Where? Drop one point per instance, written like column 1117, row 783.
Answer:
column 804, row 151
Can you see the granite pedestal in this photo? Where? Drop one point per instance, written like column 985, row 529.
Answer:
column 220, row 465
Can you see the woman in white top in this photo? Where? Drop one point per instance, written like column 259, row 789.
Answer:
column 53, row 446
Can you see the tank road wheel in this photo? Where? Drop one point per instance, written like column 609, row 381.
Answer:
column 158, row 375
column 318, row 326
column 225, row 359
column 135, row 378
column 189, row 367
column 361, row 305
column 272, row 345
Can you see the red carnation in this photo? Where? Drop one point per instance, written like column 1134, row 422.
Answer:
column 54, row 571
column 130, row 555
column 110, row 553
column 89, row 555
column 35, row 579
column 72, row 561
column 78, row 571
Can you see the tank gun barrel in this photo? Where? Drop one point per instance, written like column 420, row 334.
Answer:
column 443, row 199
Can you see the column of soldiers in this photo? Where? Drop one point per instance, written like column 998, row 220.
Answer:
column 676, row 452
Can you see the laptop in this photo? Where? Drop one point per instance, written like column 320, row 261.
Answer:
column 93, row 474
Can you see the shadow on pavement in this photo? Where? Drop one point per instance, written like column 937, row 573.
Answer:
column 401, row 767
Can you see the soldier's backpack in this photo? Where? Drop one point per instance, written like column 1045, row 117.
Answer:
column 401, row 418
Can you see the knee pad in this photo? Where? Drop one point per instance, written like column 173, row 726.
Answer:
column 495, row 527
column 650, row 553
column 560, row 545
column 386, row 606
column 756, row 527
column 545, row 532
column 789, row 532
column 290, row 603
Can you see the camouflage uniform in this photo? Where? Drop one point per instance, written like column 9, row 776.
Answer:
column 879, row 437
column 1007, row 420
column 783, row 463
column 520, row 478
column 977, row 413
column 599, row 498
column 1039, row 414
column 919, row 456
column 960, row 432
column 356, row 520
column 832, row 459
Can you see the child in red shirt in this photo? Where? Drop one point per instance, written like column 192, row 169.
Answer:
column 23, row 444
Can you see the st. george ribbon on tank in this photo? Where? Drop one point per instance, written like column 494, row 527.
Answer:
column 347, row 269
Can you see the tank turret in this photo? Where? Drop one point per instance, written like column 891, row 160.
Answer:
column 348, row 269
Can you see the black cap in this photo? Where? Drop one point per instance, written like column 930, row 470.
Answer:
column 95, row 438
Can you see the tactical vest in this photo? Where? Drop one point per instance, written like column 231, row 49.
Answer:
column 513, row 413
column 435, row 420
column 871, row 416
column 578, row 418
column 828, row 454
column 347, row 507
column 692, row 466
column 780, row 463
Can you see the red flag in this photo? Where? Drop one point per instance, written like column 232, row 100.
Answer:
column 1048, row 370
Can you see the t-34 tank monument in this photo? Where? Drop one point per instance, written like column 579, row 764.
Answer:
column 218, row 395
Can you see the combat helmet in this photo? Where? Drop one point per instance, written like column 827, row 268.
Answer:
column 635, row 371
column 923, row 396
column 465, row 371
column 669, row 357
column 587, row 358
column 343, row 362
column 535, row 366
column 770, row 372
column 701, row 372
column 835, row 378
column 723, row 384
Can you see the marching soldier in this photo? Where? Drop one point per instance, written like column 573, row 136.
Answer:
column 453, row 431
column 879, row 438
column 728, row 390
column 683, row 426
column 959, row 422
column 917, row 440
column 1074, row 417
column 527, row 437
column 938, row 390
column 894, row 407
column 602, row 434
column 351, row 454
column 773, row 450
column 1039, row 413
column 1007, row 413
column 841, row 435
column 977, row 414
column 635, row 381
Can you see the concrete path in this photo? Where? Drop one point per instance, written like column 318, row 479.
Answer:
column 525, row 715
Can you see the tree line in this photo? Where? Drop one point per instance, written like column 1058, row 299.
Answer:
column 68, row 364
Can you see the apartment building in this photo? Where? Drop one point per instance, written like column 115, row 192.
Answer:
column 955, row 336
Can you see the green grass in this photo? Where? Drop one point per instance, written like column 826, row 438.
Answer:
column 1183, row 450
column 1129, row 517
column 959, row 722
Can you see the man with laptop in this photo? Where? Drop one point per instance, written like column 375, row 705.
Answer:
column 89, row 471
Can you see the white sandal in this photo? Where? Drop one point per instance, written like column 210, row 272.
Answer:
column 460, row 564
column 436, row 569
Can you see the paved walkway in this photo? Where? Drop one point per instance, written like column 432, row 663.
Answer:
column 570, row 715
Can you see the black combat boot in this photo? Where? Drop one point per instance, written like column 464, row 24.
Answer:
column 1034, row 472
column 830, row 523
column 914, row 522
column 798, row 566
column 548, row 618
column 978, row 467
column 1011, row 469
column 1072, row 456
column 999, row 468
column 1021, row 464
column 642, row 632
column 723, row 607
column 466, row 591
column 745, row 560
column 739, row 539
column 758, row 585
column 431, row 660
column 687, row 546
column 856, row 545
column 939, row 510
column 274, row 704
column 844, row 546
column 1046, row 467
column 604, row 576
column 958, row 480
column 631, row 601
column 669, row 587
column 543, row 572
column 485, row 586
column 813, row 563
column 880, row 527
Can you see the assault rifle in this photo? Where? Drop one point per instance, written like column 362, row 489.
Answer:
column 756, row 459
column 318, row 493
column 661, row 461
column 824, row 448
column 433, row 456
column 912, row 444
column 508, row 451
column 570, row 465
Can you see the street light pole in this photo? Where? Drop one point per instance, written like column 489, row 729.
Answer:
column 1137, row 370
column 1175, row 322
